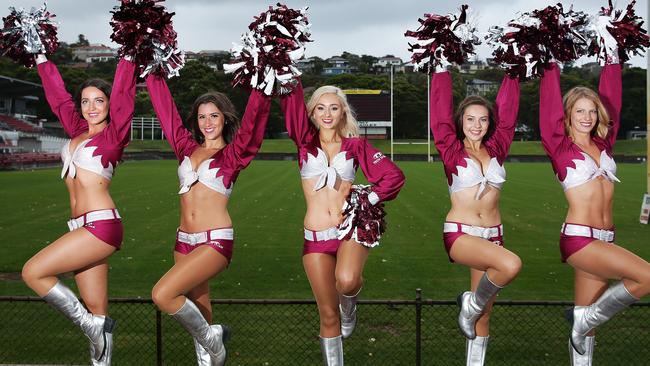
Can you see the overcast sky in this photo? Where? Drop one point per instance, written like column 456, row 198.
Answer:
column 357, row 26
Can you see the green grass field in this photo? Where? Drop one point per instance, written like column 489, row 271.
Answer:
column 267, row 208
column 623, row 147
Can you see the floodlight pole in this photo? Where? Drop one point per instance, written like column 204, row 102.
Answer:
column 428, row 117
column 392, row 126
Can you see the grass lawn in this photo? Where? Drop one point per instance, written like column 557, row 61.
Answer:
column 623, row 147
column 267, row 208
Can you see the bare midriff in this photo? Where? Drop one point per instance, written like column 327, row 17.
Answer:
column 88, row 192
column 466, row 209
column 324, row 207
column 204, row 209
column 591, row 204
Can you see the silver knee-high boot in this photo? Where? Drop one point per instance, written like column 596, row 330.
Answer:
column 212, row 338
column 202, row 356
column 332, row 349
column 348, row 311
column 475, row 349
column 97, row 328
column 472, row 305
column 586, row 318
column 586, row 359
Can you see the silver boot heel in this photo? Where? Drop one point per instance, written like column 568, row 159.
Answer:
column 586, row 359
column 472, row 305
column 64, row 300
column 585, row 318
column 332, row 349
column 209, row 337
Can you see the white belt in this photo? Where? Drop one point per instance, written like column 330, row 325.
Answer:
column 327, row 234
column 93, row 216
column 588, row 232
column 204, row 236
column 479, row 231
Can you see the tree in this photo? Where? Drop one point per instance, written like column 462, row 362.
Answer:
column 81, row 41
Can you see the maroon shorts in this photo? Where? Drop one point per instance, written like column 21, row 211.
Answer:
column 574, row 237
column 221, row 240
column 110, row 230
column 454, row 230
column 325, row 241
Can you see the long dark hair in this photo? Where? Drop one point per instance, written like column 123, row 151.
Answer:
column 100, row 84
column 221, row 101
column 474, row 100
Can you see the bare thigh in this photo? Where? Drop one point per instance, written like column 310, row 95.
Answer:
column 320, row 272
column 350, row 261
column 607, row 261
column 200, row 295
column 197, row 267
column 73, row 251
column 477, row 253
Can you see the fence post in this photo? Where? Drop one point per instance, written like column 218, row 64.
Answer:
column 158, row 338
column 418, row 326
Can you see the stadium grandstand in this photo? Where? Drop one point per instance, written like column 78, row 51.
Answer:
column 24, row 143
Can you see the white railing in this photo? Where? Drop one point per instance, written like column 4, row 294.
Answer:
column 146, row 128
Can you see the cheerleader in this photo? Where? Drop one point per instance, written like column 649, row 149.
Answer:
column 578, row 134
column 473, row 145
column 212, row 151
column 98, row 122
column 329, row 151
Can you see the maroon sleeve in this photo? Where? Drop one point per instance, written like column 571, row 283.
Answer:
column 299, row 127
column 551, row 111
column 386, row 177
column 441, row 120
column 122, row 104
column 611, row 94
column 507, row 108
column 179, row 138
column 248, row 138
column 60, row 100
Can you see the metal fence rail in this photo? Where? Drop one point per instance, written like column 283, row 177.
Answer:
column 285, row 332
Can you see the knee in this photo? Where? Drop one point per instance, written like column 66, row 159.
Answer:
column 30, row 273
column 348, row 283
column 511, row 267
column 329, row 317
column 160, row 295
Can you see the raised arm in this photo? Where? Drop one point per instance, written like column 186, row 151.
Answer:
column 386, row 177
column 441, row 120
column 179, row 138
column 551, row 111
column 122, row 103
column 248, row 138
column 299, row 127
column 59, row 99
column 611, row 94
column 507, row 108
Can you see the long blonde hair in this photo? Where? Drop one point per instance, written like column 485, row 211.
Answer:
column 348, row 126
column 570, row 99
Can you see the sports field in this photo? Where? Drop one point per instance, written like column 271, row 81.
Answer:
column 267, row 209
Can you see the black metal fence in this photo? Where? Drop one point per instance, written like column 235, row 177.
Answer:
column 285, row 332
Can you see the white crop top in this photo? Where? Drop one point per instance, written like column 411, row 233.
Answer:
column 586, row 170
column 318, row 166
column 204, row 174
column 470, row 176
column 82, row 157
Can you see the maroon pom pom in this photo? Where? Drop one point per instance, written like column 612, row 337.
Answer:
column 144, row 31
column 27, row 33
column 616, row 34
column 442, row 40
column 364, row 222
column 265, row 59
column 534, row 39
